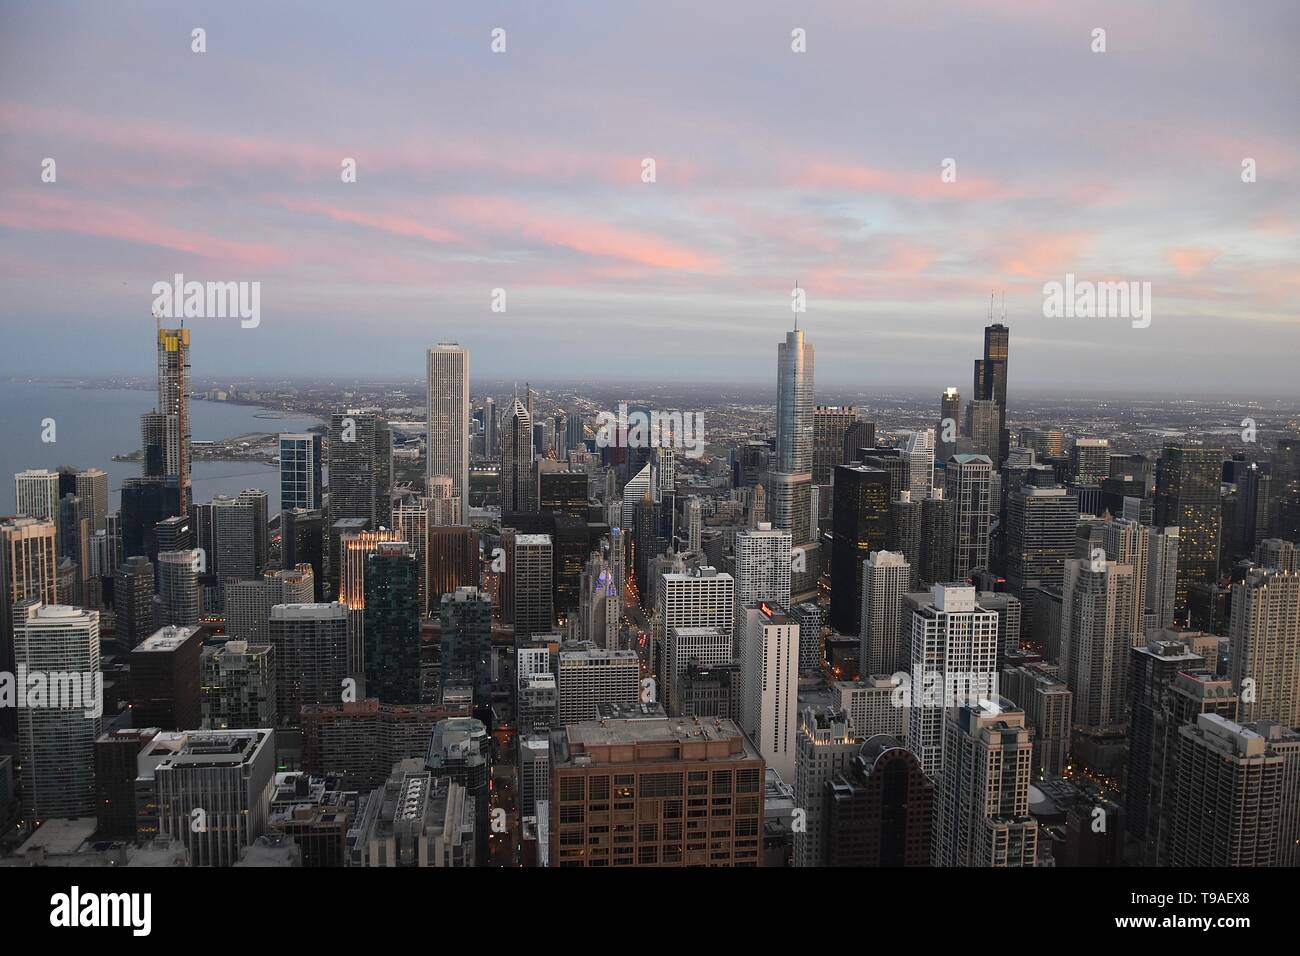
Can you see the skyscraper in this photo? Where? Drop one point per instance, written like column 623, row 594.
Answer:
column 518, row 484
column 1162, row 576
column 178, row 587
column 174, row 404
column 531, row 571
column 448, row 416
column 967, row 483
column 36, row 492
column 360, row 467
column 886, row 577
column 311, row 656
column 990, row 382
column 790, row 480
column 762, row 567
column 860, row 526
column 1096, row 623
column 830, row 425
column 826, row 744
column 769, row 660
column 392, row 624
column 878, row 810
column 1264, row 645
column 466, row 619
column 1187, row 495
column 1039, row 536
column 300, row 471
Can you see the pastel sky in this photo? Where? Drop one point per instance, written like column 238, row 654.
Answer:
column 522, row 170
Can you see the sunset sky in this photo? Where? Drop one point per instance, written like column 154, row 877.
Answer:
column 522, row 171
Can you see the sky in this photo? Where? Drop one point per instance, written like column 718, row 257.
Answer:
column 523, row 171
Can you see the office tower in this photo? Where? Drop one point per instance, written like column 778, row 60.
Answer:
column 300, row 471
column 697, row 597
column 872, row 705
column 461, row 750
column 685, row 646
column 1169, row 688
column 453, row 561
column 117, row 752
column 694, row 524
column 165, row 687
column 711, row 690
column 537, row 704
column 173, row 403
column 56, row 742
column 146, row 502
column 1264, row 645
column 248, row 603
column 954, row 657
column 466, row 643
column 360, row 468
column 359, row 742
column 990, row 383
column 830, row 425
column 1096, row 623
column 157, row 444
column 949, row 426
column 938, row 525
column 518, row 488
column 860, row 526
column 1225, row 805
column 212, row 789
column 762, row 566
column 419, row 821
column 983, row 428
column 857, row 436
column 448, row 416
column 1090, row 461
column 918, row 449
column 174, row 534
column 1162, row 576
column 636, row 489
column 982, row 818
column 587, row 677
column 1010, row 612
column 825, row 745
column 576, row 440
column 1187, row 495
column 392, row 624
column 1049, row 708
column 411, row 524
column 302, row 541
column 531, row 570
column 1039, row 535
column 564, row 492
column 811, row 617
column 877, row 810
column 36, row 492
column 769, row 659
column 311, row 656
column 886, row 577
column 178, row 587
column 1254, row 486
column 967, row 481
column 133, row 601
column 491, row 425
column 1126, row 543
column 354, row 555
column 237, row 686
column 239, row 533
column 585, row 755
column 790, row 480
column 600, row 609
column 91, row 486
column 534, row 772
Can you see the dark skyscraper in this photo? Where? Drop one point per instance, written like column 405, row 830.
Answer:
column 991, row 380
column 1187, row 496
column 878, row 812
column 861, row 525
column 360, row 468
column 392, row 624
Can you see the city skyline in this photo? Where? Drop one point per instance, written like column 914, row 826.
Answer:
column 782, row 167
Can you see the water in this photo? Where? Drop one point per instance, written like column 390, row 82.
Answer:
column 92, row 425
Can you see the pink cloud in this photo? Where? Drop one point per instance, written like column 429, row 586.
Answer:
column 1191, row 260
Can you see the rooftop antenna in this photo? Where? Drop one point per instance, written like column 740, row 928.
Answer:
column 796, row 315
column 1004, row 306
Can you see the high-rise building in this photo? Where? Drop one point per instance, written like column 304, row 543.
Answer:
column 687, row 646
column 983, row 427
column 790, row 480
column 1162, row 576
column 860, row 526
column 174, row 405
column 300, row 471
column 240, row 536
column 518, row 484
column 1096, row 623
column 968, row 481
column 769, row 660
column 302, row 541
column 697, row 597
column 1126, row 543
column 588, row 677
column 165, row 686
column 1039, row 535
column 466, row 643
column 918, row 448
column 982, row 817
column 28, row 563
column 938, row 525
column 36, row 492
column 392, row 624
column 954, row 653
column 359, row 742
column 990, row 383
column 659, row 755
column 452, row 560
column 1225, row 808
column 530, row 583
column 825, row 745
column 448, row 416
column 56, row 740
column 360, row 468
column 1264, row 645
column 878, row 810
column 117, row 754
column 949, row 426
column 762, row 557
column 872, row 706
column 237, row 686
column 886, row 577
column 178, row 586
column 311, row 656
column 1049, row 710
column 1187, row 495
column 1090, row 461
column 133, row 601
column 419, row 820
column 830, row 424
column 211, row 789
column 355, row 551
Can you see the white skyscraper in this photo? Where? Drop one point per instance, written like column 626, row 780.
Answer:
column 954, row 653
column 1096, row 621
column 709, row 646
column 699, row 597
column 918, row 448
column 448, row 416
column 37, row 493
column 885, row 579
column 1162, row 576
column 56, row 738
column 694, row 524
column 1127, row 542
column 762, row 569
column 1264, row 635
column 770, row 664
